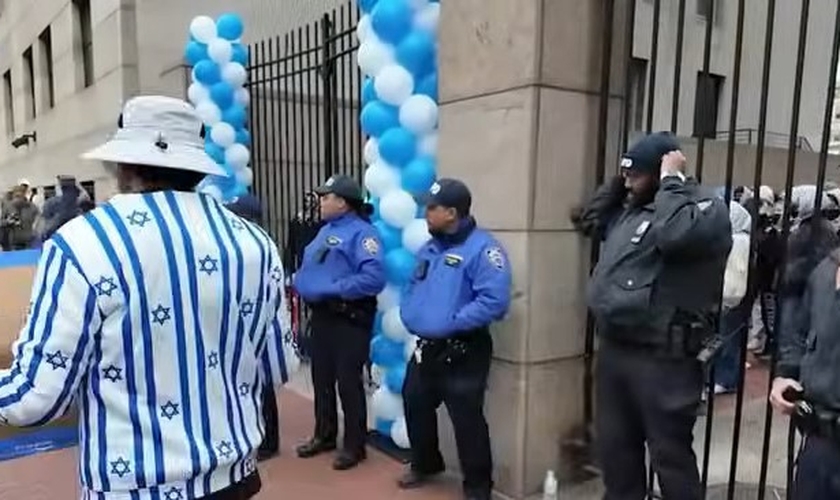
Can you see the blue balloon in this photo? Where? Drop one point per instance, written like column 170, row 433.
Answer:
column 391, row 237
column 368, row 91
column 367, row 5
column 419, row 175
column 416, row 53
column 240, row 54
column 397, row 146
column 215, row 151
column 428, row 86
column 399, row 266
column 383, row 427
column 391, row 20
column 394, row 378
column 377, row 117
column 207, row 72
column 235, row 116
column 195, row 52
column 222, row 94
column 230, row 26
column 243, row 137
column 375, row 216
column 385, row 352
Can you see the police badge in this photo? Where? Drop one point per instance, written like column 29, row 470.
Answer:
column 496, row 257
column 370, row 245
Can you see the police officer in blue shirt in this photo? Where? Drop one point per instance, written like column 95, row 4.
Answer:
column 341, row 274
column 460, row 286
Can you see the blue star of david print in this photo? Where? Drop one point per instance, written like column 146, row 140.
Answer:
column 213, row 360
column 161, row 315
column 57, row 360
column 105, row 286
column 138, row 218
column 276, row 274
column 121, row 467
column 237, row 224
column 169, row 410
column 174, row 494
column 246, row 308
column 112, row 373
column 243, row 389
column 208, row 265
column 250, row 466
column 225, row 450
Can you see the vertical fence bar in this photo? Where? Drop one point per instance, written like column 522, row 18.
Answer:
column 275, row 94
column 654, row 62
column 335, row 94
column 827, row 113
column 300, row 105
column 707, row 444
column 786, row 222
column 290, row 103
column 256, row 124
column 311, row 96
column 341, row 94
column 317, row 71
column 356, row 99
column 326, row 79
column 707, row 59
column 675, row 99
column 628, row 77
column 286, row 159
column 269, row 158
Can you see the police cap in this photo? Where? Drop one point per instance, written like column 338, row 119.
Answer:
column 646, row 155
column 449, row 193
column 342, row 186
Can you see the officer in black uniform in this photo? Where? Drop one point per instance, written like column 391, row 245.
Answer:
column 341, row 274
column 807, row 383
column 655, row 295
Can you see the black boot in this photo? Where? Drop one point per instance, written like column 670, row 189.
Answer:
column 347, row 460
column 412, row 479
column 314, row 447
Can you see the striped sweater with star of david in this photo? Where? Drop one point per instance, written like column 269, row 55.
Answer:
column 161, row 315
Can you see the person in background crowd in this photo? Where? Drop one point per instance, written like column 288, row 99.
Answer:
column 61, row 208
column 19, row 220
column 768, row 260
column 461, row 286
column 655, row 295
column 163, row 315
column 341, row 275
column 249, row 207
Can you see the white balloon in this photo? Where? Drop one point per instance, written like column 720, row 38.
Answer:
column 220, row 51
column 397, row 208
column 410, row 346
column 245, row 176
column 198, row 93
column 386, row 405
column 381, row 179
column 209, row 113
column 415, row 235
column 237, row 156
column 213, row 191
column 428, row 19
column 242, row 97
column 419, row 114
column 388, row 298
column 363, row 29
column 234, row 74
column 429, row 145
column 223, row 135
column 418, row 4
column 371, row 151
column 394, row 84
column 399, row 433
column 203, row 29
column 377, row 375
column 374, row 55
column 392, row 325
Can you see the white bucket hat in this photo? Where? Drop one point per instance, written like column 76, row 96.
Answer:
column 158, row 131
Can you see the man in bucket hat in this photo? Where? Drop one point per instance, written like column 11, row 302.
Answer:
column 162, row 314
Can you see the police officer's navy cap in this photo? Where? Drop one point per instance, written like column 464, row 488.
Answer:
column 343, row 186
column 646, row 155
column 449, row 193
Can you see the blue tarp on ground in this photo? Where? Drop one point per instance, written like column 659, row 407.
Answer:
column 40, row 441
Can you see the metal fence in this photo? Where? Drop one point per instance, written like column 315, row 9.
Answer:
column 788, row 47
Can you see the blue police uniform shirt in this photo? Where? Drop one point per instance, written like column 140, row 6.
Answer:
column 458, row 286
column 343, row 261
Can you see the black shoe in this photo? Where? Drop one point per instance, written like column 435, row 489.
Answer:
column 263, row 455
column 412, row 479
column 314, row 447
column 347, row 460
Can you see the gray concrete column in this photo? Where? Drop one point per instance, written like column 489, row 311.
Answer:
column 519, row 84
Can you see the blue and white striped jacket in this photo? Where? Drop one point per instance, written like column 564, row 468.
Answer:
column 162, row 315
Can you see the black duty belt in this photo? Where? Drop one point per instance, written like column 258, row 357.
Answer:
column 814, row 420
column 361, row 312
column 449, row 350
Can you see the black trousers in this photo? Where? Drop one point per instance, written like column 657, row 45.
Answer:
column 818, row 471
column 340, row 349
column 644, row 399
column 460, row 386
column 271, row 442
column 243, row 490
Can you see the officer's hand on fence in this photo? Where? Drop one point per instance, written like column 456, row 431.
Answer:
column 781, row 387
column 673, row 163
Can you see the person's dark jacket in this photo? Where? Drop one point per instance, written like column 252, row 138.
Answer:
column 248, row 207
column 660, row 263
column 18, row 223
column 61, row 209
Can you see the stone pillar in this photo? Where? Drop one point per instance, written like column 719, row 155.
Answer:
column 519, row 95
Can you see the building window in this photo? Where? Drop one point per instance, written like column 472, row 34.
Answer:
column 707, row 104
column 90, row 189
column 638, row 69
column 9, row 98
column 47, row 67
column 83, row 41
column 29, row 84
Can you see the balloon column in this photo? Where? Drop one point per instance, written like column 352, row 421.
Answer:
column 398, row 55
column 219, row 95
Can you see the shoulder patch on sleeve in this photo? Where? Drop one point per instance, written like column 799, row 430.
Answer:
column 370, row 245
column 495, row 257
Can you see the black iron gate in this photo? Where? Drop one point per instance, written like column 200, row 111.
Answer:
column 767, row 67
